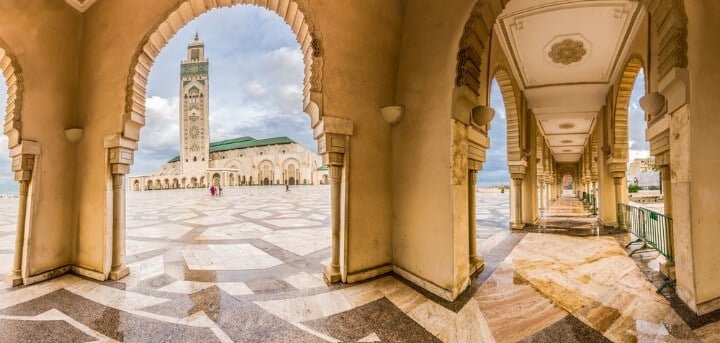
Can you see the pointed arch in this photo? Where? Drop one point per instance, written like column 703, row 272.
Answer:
column 619, row 121
column 510, row 95
column 297, row 15
column 14, row 81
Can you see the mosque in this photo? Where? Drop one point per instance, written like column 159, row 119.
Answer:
column 231, row 162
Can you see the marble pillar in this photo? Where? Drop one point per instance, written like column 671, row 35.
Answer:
column 517, row 221
column 120, row 159
column 476, row 263
column 24, row 157
column 332, row 272
column 333, row 136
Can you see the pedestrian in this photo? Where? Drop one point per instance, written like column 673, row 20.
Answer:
column 212, row 190
column 287, row 187
column 219, row 191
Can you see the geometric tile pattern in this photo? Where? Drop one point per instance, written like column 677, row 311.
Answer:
column 247, row 267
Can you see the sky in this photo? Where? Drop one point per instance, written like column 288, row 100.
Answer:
column 256, row 83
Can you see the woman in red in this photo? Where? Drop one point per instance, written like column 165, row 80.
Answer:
column 212, row 190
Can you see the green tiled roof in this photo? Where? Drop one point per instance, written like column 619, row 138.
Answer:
column 242, row 143
column 322, row 168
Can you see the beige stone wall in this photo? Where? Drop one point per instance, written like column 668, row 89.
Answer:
column 424, row 241
column 695, row 172
column 45, row 37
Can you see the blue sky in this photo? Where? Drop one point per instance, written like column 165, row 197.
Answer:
column 256, row 82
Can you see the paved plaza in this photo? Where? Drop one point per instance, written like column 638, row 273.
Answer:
column 247, row 267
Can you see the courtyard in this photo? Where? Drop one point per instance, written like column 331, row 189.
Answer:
column 247, row 266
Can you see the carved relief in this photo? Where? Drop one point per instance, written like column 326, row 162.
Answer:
column 460, row 152
column 567, row 51
column 14, row 81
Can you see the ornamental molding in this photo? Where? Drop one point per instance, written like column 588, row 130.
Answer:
column 567, row 51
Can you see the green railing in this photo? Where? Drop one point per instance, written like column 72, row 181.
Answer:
column 651, row 229
column 590, row 202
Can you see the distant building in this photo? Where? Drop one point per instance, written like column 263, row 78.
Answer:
column 642, row 172
column 232, row 162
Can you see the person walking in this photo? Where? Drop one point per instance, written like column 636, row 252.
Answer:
column 212, row 191
column 287, row 187
column 219, row 191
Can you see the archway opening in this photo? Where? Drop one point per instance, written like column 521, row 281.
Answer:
column 225, row 126
column 8, row 197
column 644, row 179
column 568, row 185
column 492, row 198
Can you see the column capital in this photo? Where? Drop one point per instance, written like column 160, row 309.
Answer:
column 333, row 125
column 23, row 159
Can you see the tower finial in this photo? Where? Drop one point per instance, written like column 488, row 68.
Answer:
column 197, row 38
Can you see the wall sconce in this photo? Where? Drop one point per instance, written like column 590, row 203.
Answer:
column 653, row 103
column 74, row 135
column 482, row 115
column 392, row 114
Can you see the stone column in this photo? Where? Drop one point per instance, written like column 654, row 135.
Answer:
column 618, row 182
column 541, row 196
column 666, row 189
column 23, row 163
column 120, row 157
column 517, row 223
column 476, row 263
column 332, row 272
column 333, row 135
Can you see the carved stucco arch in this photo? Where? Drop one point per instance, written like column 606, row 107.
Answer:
column 14, row 81
column 619, row 122
column 235, row 163
column 297, row 15
column 510, row 95
column 475, row 38
column 291, row 160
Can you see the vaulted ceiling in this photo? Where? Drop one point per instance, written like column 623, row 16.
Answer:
column 565, row 55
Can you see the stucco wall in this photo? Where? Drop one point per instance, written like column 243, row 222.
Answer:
column 45, row 37
column 423, row 237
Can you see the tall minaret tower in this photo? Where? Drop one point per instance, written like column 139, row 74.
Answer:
column 194, row 108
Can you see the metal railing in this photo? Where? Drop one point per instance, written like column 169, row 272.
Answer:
column 590, row 202
column 651, row 229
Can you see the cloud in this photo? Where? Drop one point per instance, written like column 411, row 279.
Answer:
column 639, row 147
column 495, row 169
column 7, row 184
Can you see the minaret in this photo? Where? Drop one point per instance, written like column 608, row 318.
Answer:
column 194, row 108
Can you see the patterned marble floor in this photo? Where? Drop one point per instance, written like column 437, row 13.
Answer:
column 245, row 267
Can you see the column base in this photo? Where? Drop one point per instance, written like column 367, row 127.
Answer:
column 668, row 269
column 119, row 273
column 517, row 226
column 476, row 265
column 331, row 274
column 14, row 280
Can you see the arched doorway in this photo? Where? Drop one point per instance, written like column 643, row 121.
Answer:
column 216, row 180
column 193, row 182
column 136, row 185
column 11, row 230
column 568, row 185
column 267, row 172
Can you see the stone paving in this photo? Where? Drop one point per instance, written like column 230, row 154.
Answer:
column 247, row 267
